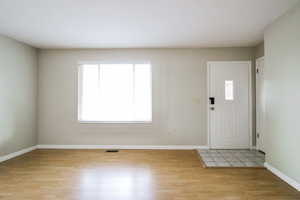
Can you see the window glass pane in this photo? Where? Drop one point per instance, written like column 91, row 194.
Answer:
column 229, row 90
column 116, row 92
column 142, row 92
column 89, row 92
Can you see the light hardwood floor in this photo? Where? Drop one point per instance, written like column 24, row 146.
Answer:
column 133, row 175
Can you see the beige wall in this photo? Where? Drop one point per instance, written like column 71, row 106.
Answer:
column 282, row 74
column 259, row 50
column 179, row 96
column 18, row 79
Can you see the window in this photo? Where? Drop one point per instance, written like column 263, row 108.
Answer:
column 115, row 93
column 229, row 90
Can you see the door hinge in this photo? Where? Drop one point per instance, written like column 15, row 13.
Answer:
column 257, row 70
column 257, row 135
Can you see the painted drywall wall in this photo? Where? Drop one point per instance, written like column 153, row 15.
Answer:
column 18, row 86
column 259, row 50
column 282, row 70
column 179, row 96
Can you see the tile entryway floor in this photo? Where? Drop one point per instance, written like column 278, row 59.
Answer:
column 232, row 158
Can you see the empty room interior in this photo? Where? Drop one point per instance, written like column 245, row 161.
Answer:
column 150, row 100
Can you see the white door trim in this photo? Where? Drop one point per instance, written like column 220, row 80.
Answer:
column 250, row 98
column 260, row 58
column 256, row 110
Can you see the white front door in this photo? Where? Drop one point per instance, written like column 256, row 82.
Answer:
column 260, row 104
column 228, row 107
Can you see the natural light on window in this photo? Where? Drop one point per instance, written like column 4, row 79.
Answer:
column 229, row 90
column 115, row 93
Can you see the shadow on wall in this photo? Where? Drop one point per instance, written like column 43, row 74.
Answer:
column 13, row 129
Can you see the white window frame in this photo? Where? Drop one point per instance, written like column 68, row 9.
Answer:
column 79, row 94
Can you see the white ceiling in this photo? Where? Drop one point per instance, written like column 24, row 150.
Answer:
column 138, row 23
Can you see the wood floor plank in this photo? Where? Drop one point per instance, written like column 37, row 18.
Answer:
column 133, row 175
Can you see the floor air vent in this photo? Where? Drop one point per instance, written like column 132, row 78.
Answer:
column 112, row 151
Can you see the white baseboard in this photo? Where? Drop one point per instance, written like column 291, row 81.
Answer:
column 284, row 177
column 170, row 147
column 18, row 153
column 46, row 146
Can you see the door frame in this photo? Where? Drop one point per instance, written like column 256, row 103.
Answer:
column 250, row 92
column 257, row 108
